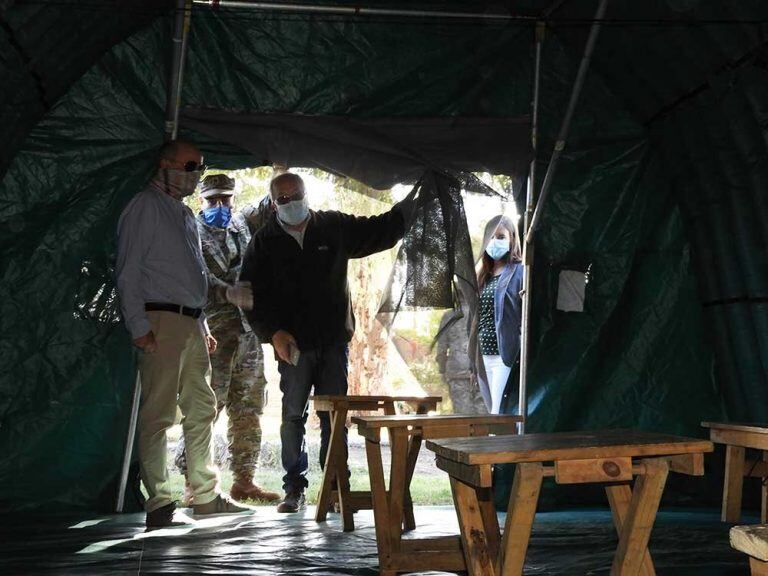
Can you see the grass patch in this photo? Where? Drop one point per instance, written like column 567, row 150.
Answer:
column 425, row 490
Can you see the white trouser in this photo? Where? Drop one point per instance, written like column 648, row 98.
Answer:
column 498, row 374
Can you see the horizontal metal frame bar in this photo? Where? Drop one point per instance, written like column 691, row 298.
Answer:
column 359, row 10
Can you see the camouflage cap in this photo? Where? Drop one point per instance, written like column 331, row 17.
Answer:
column 217, row 185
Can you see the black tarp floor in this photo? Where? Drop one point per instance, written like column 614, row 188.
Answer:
column 573, row 543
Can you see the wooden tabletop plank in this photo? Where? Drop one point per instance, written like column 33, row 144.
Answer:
column 565, row 446
column 353, row 399
column 425, row 420
column 738, row 426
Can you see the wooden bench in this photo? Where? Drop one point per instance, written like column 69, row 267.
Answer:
column 737, row 437
column 753, row 541
column 393, row 508
column 613, row 457
column 334, row 488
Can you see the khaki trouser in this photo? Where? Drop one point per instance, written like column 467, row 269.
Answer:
column 178, row 372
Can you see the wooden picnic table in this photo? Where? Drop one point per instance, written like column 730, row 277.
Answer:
column 334, row 488
column 737, row 437
column 393, row 508
column 613, row 457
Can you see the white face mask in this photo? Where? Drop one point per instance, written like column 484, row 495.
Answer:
column 293, row 213
column 179, row 183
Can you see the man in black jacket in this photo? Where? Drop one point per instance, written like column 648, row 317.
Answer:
column 297, row 264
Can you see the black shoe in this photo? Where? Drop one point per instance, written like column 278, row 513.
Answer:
column 165, row 517
column 292, row 502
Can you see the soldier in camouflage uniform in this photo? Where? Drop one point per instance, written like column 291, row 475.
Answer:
column 238, row 363
column 454, row 365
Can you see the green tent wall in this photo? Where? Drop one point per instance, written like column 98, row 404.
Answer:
column 661, row 190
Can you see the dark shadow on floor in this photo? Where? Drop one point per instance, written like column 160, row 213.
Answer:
column 563, row 543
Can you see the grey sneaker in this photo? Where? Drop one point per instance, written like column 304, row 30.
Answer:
column 222, row 504
column 292, row 502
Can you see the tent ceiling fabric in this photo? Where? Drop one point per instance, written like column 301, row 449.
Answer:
column 379, row 152
column 660, row 192
column 46, row 47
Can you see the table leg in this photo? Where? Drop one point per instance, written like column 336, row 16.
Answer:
column 638, row 523
column 324, row 500
column 619, row 497
column 734, row 481
column 520, row 514
column 757, row 567
column 409, row 522
column 764, row 494
column 414, row 445
column 336, row 469
column 479, row 528
column 397, row 482
column 490, row 521
column 380, row 500
column 342, row 478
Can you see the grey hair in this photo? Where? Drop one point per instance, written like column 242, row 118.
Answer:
column 285, row 176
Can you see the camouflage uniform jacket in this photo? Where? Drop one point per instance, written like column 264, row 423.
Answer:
column 223, row 251
column 452, row 347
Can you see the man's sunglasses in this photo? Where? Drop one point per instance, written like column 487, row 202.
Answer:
column 192, row 166
column 283, row 200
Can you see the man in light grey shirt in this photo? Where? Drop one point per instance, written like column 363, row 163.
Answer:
column 161, row 280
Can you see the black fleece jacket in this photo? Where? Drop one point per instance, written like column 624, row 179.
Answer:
column 305, row 291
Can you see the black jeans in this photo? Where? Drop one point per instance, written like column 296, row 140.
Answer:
column 325, row 370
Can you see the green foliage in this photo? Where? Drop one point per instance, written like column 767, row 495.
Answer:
column 426, row 490
column 428, row 375
column 419, row 326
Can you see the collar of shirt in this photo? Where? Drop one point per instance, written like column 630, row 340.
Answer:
column 297, row 235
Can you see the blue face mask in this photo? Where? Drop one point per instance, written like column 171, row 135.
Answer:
column 218, row 216
column 497, row 248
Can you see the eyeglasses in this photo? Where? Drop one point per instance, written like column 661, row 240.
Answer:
column 192, row 166
column 282, row 200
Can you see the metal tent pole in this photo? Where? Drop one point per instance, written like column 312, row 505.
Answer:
column 356, row 10
column 172, row 104
column 128, row 452
column 528, row 248
column 173, row 98
column 565, row 128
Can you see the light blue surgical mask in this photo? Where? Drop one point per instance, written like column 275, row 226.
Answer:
column 294, row 212
column 218, row 216
column 497, row 248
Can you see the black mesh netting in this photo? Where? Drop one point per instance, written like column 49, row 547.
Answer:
column 435, row 258
column 435, row 262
